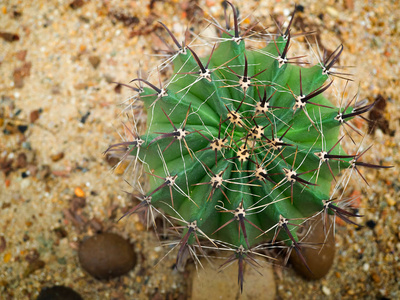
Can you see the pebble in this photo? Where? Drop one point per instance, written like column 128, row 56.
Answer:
column 79, row 192
column 389, row 199
column 3, row 244
column 34, row 266
column 58, row 292
column 376, row 278
column 326, row 290
column 366, row 267
column 106, row 255
column 57, row 157
column 34, row 115
column 94, row 61
column 332, row 12
column 319, row 261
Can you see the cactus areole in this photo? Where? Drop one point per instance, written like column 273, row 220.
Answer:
column 241, row 145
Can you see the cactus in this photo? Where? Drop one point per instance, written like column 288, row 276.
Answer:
column 241, row 145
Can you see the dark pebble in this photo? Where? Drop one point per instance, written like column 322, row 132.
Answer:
column 76, row 4
column 22, row 128
column 84, row 117
column 319, row 261
column 106, row 255
column 9, row 37
column 58, row 292
column 371, row 224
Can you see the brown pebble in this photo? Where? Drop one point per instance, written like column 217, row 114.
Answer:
column 75, row 4
column 44, row 172
column 57, row 157
column 77, row 203
column 376, row 278
column 32, row 255
column 33, row 169
column 81, row 86
column 22, row 161
column 32, row 267
column 61, row 232
column 118, row 88
column 9, row 37
column 94, row 61
column 106, row 255
column 35, row 114
column 21, row 55
column 319, row 261
column 3, row 244
column 20, row 73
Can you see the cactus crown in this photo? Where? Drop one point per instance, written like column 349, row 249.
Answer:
column 241, row 145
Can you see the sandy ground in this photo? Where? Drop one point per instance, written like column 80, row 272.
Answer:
column 59, row 112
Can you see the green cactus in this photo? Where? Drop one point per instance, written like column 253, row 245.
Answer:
column 241, row 146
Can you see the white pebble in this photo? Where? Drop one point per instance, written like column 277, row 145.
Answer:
column 286, row 12
column 366, row 267
column 326, row 290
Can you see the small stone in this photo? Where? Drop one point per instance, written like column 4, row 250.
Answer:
column 20, row 73
column 44, row 172
column 21, row 161
column 371, row 224
column 61, row 232
column 21, row 55
column 326, row 290
column 389, row 199
column 106, row 255
column 34, row 266
column 376, row 278
column 366, row 267
column 94, row 61
column 58, row 292
column 79, row 192
column 7, row 257
column 22, row 128
column 332, row 11
column 3, row 244
column 34, row 115
column 32, row 255
column 81, row 86
column 9, row 37
column 75, row 4
column 318, row 260
column 57, row 157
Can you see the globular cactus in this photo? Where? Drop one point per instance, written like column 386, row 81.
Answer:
column 241, row 146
